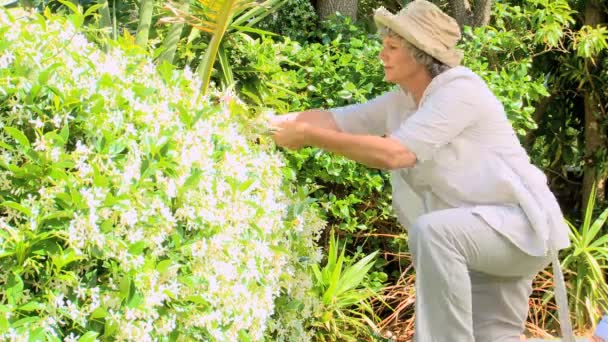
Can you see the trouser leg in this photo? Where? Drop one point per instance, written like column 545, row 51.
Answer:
column 500, row 306
column 445, row 246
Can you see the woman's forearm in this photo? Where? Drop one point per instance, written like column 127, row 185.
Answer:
column 372, row 151
column 316, row 117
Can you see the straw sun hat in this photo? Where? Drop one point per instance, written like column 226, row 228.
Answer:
column 426, row 27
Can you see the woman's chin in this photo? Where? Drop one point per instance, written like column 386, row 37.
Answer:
column 388, row 80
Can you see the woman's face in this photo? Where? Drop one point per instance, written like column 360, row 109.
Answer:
column 399, row 65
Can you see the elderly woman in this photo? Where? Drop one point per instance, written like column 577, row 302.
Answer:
column 482, row 221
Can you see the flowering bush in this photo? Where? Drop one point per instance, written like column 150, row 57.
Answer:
column 134, row 208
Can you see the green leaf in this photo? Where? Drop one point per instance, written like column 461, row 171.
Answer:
column 244, row 336
column 18, row 207
column 164, row 266
column 25, row 321
column 70, row 5
column 125, row 287
column 6, row 146
column 31, row 306
column 135, row 300
column 91, row 10
column 60, row 214
column 345, row 94
column 354, row 275
column 98, row 313
column 4, row 324
column 137, row 248
column 18, row 136
column 246, row 184
column 37, row 334
column 110, row 328
column 90, row 336
column 255, row 30
column 65, row 133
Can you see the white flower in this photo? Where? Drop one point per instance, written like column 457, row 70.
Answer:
column 82, row 148
column 6, row 59
column 57, row 121
column 40, row 144
column 59, row 301
column 55, row 154
column 37, row 123
column 110, row 66
column 130, row 218
column 81, row 292
column 71, row 338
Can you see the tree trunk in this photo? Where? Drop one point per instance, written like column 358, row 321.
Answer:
column 145, row 20
column 467, row 16
column 327, row 8
column 461, row 11
column 482, row 13
column 593, row 135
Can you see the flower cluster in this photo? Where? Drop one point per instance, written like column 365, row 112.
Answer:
column 135, row 208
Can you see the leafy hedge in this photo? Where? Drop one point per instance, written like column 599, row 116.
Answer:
column 133, row 208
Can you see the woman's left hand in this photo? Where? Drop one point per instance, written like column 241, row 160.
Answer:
column 290, row 134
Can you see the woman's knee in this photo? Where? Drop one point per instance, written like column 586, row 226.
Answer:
column 427, row 228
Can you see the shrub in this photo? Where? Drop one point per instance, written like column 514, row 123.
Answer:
column 294, row 19
column 133, row 208
column 291, row 76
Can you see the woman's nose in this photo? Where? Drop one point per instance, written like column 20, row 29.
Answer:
column 381, row 55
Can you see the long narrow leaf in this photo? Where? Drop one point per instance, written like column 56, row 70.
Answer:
column 145, row 21
column 588, row 215
column 355, row 274
column 335, row 279
column 256, row 14
column 602, row 241
column 227, row 74
column 598, row 224
column 254, row 30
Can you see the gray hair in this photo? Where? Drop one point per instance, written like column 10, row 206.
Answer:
column 434, row 66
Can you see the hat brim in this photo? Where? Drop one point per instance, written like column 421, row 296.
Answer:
column 409, row 32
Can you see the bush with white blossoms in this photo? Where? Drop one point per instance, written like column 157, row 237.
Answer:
column 134, row 208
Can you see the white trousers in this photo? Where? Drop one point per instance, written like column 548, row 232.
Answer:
column 472, row 284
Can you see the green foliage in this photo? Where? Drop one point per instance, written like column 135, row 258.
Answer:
column 353, row 197
column 346, row 314
column 288, row 76
column 295, row 20
column 590, row 42
column 503, row 54
column 132, row 207
column 218, row 18
column 586, row 264
column 366, row 8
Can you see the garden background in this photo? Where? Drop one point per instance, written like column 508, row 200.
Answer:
column 141, row 198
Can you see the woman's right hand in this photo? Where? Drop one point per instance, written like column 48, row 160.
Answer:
column 276, row 120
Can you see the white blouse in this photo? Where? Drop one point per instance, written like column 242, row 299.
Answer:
column 468, row 156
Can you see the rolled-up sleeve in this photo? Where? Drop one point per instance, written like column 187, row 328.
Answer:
column 443, row 115
column 366, row 118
